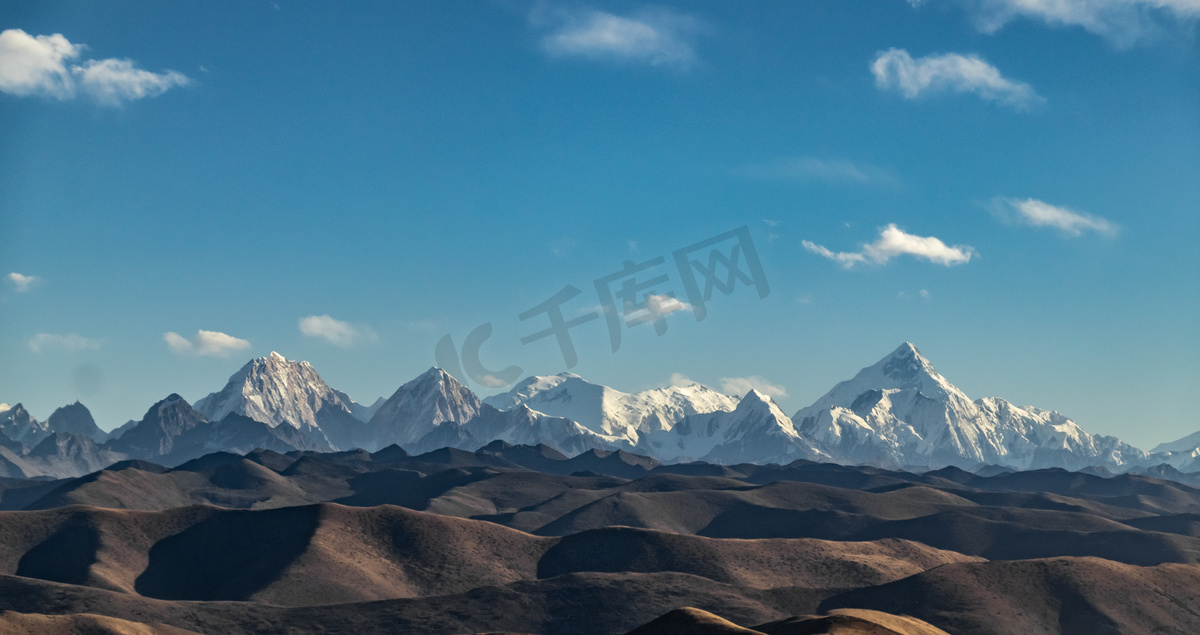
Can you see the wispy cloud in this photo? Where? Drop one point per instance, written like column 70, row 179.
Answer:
column 654, row 36
column 809, row 169
column 895, row 70
column 212, row 343
column 665, row 304
column 1123, row 22
column 905, row 295
column 679, row 380
column 68, row 342
column 1037, row 213
column 23, row 283
column 337, row 332
column 893, row 242
column 741, row 385
column 45, row 66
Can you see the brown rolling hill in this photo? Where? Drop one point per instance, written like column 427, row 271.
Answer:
column 693, row 621
column 1057, row 595
column 14, row 623
column 1063, row 595
column 522, row 539
column 325, row 553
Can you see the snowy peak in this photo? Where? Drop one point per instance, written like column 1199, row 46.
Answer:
column 274, row 390
column 902, row 412
column 906, row 368
column 1185, row 445
column 17, row 424
column 904, row 371
column 754, row 399
column 609, row 412
column 756, row 414
column 420, row 406
column 906, row 364
column 756, row 431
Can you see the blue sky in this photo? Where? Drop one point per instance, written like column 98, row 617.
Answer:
column 1011, row 186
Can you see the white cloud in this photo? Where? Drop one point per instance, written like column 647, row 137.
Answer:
column 904, row 295
column 665, row 304
column 43, row 66
column 114, row 81
column 335, row 331
column 804, row 169
column 1037, row 213
column 896, row 70
column 847, row 259
column 679, row 380
column 741, row 385
column 35, row 65
column 658, row 37
column 893, row 242
column 23, row 282
column 213, row 343
column 491, row 381
column 68, row 342
column 1122, row 22
column 654, row 308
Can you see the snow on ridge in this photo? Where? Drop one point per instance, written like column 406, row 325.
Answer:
column 897, row 412
column 608, row 411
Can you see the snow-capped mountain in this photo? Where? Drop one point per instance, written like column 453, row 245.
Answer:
column 276, row 391
column 17, row 424
column 1181, row 454
column 898, row 412
column 420, row 406
column 524, row 426
column 1186, row 445
column 610, row 412
column 756, row 431
column 901, row 412
column 435, row 411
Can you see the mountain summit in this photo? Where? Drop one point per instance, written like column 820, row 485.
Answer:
column 755, row 431
column 420, row 406
column 897, row 412
column 610, row 412
column 902, row 412
column 277, row 391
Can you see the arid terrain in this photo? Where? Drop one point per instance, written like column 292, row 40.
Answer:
column 523, row 539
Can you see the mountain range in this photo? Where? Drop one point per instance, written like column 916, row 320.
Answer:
column 897, row 413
